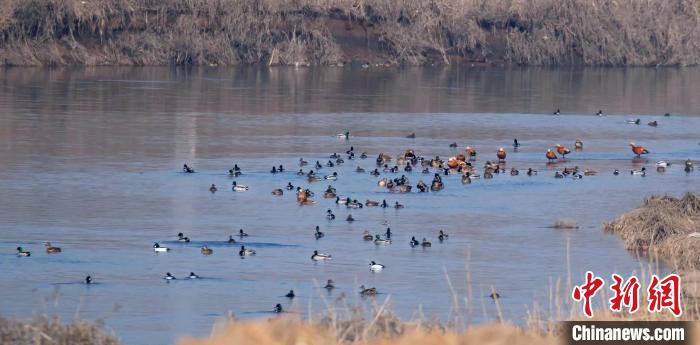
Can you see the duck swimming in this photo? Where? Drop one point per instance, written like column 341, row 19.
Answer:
column 411, row 136
column 289, row 186
column 531, row 172
column 330, row 215
column 662, row 164
column 330, row 284
column 442, row 236
column 425, row 243
column 557, row 112
column 367, row 236
column 578, row 145
column 241, row 233
column 231, row 240
column 212, row 189
column 274, row 170
column 193, row 276
column 277, row 192
column 350, row 218
column 206, row 250
column 318, row 165
column 367, row 291
column 359, row 170
column 88, row 280
column 375, row 267
column 633, row 122
column 641, row 172
column 158, row 249
column 22, row 252
column 371, row 203
column 599, row 113
column 344, row 135
column 187, row 169
column 182, row 238
column 332, row 177
column 379, row 241
column 51, row 249
column 616, row 172
column 557, row 174
column 387, row 234
column 514, row 172
column 471, row 152
column 300, row 172
column 290, row 294
column 320, row 256
column 238, row 187
column 168, row 276
column 516, row 144
column 246, row 252
column 397, row 205
column 318, row 234
column 277, row 309
column 653, row 123
column 414, row 242
column 302, row 162
column 453, row 145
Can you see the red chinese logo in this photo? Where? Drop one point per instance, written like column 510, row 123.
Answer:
column 661, row 294
column 626, row 295
column 586, row 291
column 665, row 294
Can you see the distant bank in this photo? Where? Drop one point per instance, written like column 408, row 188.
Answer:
column 360, row 32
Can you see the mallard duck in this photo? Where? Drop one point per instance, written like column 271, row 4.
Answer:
column 379, row 241
column 589, row 172
column 344, row 135
column 331, row 177
column 442, row 236
column 51, row 249
column 213, row 188
column 320, row 256
column 641, row 172
column 397, row 205
column 206, row 250
column 364, row 291
column 371, row 203
column 375, row 267
column 246, row 252
column 318, row 234
column 168, row 276
column 557, row 174
column 22, row 252
column 363, row 155
column 302, row 162
column 241, row 233
column 359, row 170
column 290, row 294
column 193, row 276
column 182, row 238
column 158, row 249
column 330, row 284
column 633, row 122
column 514, row 172
column 313, row 178
column 238, row 187
column 414, row 242
column 425, row 243
column 277, row 192
column 231, row 240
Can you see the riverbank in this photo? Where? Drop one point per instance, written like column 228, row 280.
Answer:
column 368, row 32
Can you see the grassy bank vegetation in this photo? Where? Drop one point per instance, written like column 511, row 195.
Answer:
column 49, row 331
column 304, row 32
column 664, row 226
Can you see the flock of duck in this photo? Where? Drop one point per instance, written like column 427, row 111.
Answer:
column 436, row 167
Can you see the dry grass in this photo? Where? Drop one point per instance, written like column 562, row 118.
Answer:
column 302, row 32
column 49, row 331
column 663, row 226
column 283, row 330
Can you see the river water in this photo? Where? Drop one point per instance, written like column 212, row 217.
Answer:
column 91, row 161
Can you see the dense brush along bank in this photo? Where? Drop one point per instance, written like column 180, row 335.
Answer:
column 373, row 32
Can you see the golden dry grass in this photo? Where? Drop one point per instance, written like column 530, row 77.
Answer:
column 48, row 331
column 285, row 330
column 290, row 32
